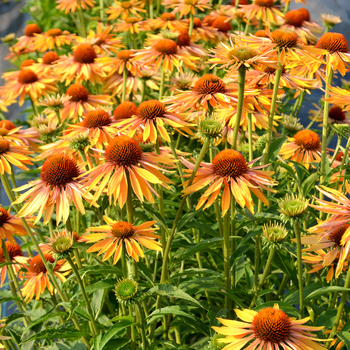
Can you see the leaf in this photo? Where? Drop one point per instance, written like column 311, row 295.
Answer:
column 97, row 270
column 104, row 284
column 4, row 300
column 155, row 216
column 97, row 301
column 196, row 272
column 326, row 319
column 285, row 166
column 284, row 261
column 43, row 318
column 181, row 311
column 345, row 337
column 204, row 228
column 308, row 184
column 122, row 324
column 171, row 291
column 275, row 147
column 116, row 344
column 325, row 290
column 62, row 333
column 187, row 217
column 194, row 248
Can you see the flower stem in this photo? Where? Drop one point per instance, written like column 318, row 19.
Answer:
column 301, row 100
column 124, row 262
column 58, row 118
column 102, row 11
column 125, row 77
column 250, row 137
column 241, row 84
column 226, row 253
column 63, row 296
column 85, row 296
column 35, row 107
column 129, row 207
column 81, row 20
column 150, row 9
column 190, row 30
column 266, row 271
column 162, row 79
column 139, row 313
column 300, row 267
column 179, row 212
column 143, row 92
column 342, row 165
column 343, row 301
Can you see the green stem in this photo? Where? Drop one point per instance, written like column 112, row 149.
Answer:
column 226, row 253
column 300, row 267
column 139, row 313
column 102, row 11
column 314, row 119
column 345, row 156
column 250, row 137
column 58, row 118
column 340, row 138
column 302, row 96
column 81, row 20
column 13, row 177
column 241, row 84
column 179, row 213
column 51, row 228
column 143, row 92
column 151, row 9
column 35, row 107
column 190, row 30
column 162, row 79
column 281, row 289
column 340, row 307
column 129, row 207
column 124, row 262
column 125, row 77
column 83, row 292
column 236, row 4
column 62, row 295
column 265, row 273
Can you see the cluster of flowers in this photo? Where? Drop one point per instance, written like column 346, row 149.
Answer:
column 111, row 110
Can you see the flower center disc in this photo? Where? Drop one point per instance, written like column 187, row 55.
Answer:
column 271, row 325
column 151, row 109
column 242, row 53
column 6, row 124
column 122, row 230
column 132, row 20
column 337, row 235
column 4, row 146
column 336, row 113
column 166, row 47
column 184, row 39
column 284, row 38
column 36, row 265
column 168, row 17
column 305, row 14
column 27, row 63
column 333, row 42
column 126, row 4
column 54, row 32
column 264, row 3
column 13, row 250
column 78, row 93
column 339, row 156
column 27, row 76
column 222, row 24
column 50, row 57
column 209, row 84
column 125, row 110
column 32, row 29
column 4, row 216
column 261, row 34
column 294, row 18
column 197, row 23
column 124, row 55
column 59, row 170
column 123, row 151
column 97, row 119
column 229, row 163
column 307, row 139
column 84, row 53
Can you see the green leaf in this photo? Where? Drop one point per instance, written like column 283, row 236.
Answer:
column 326, row 319
column 187, row 217
column 345, row 337
column 275, row 147
column 181, row 311
column 97, row 301
column 285, row 262
column 309, row 184
column 171, row 291
column 4, row 300
column 325, row 290
column 104, row 284
column 117, row 327
column 43, row 318
column 155, row 216
column 62, row 333
column 194, row 248
column 196, row 272
column 204, row 228
column 97, row 270
column 116, row 344
column 285, row 166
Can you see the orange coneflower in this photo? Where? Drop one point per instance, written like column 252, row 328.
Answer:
column 209, row 90
column 186, row 7
column 80, row 66
column 336, row 115
column 114, row 84
column 330, row 20
column 125, row 110
column 264, row 10
column 164, row 55
column 125, row 9
column 81, row 102
column 112, row 236
column 165, row 21
column 52, row 39
column 337, row 52
column 229, row 168
column 17, row 258
column 73, row 5
column 125, row 159
column 223, row 25
column 103, row 41
column 10, row 225
column 202, row 31
column 13, row 75
column 268, row 329
column 29, row 84
column 11, row 154
column 340, row 97
column 37, row 279
column 303, row 148
column 26, row 42
column 316, row 261
column 151, row 116
column 329, row 235
column 57, row 186
column 119, row 63
column 235, row 54
column 130, row 24
column 44, row 65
